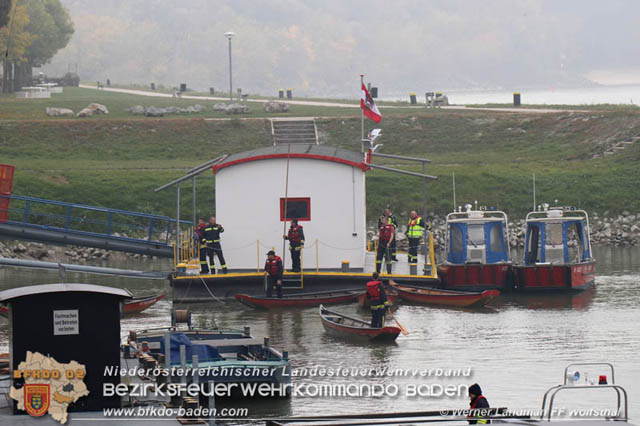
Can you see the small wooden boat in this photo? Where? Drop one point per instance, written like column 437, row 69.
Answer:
column 139, row 304
column 346, row 327
column 132, row 306
column 300, row 299
column 440, row 297
column 392, row 297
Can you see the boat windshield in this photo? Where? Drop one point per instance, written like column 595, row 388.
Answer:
column 554, row 234
column 475, row 235
column 496, row 241
column 456, row 239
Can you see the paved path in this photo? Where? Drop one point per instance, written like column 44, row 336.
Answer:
column 517, row 110
column 216, row 98
column 333, row 104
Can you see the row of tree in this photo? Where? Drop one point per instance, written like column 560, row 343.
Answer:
column 31, row 32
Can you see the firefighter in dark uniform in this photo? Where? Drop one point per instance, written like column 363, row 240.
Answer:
column 386, row 237
column 388, row 219
column 414, row 233
column 204, row 265
column 377, row 301
column 477, row 402
column 296, row 242
column 273, row 270
column 211, row 237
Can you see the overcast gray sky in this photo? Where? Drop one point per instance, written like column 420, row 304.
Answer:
column 320, row 47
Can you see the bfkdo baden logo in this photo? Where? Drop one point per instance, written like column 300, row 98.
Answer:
column 36, row 399
column 48, row 386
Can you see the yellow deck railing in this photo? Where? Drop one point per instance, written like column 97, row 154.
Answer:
column 186, row 248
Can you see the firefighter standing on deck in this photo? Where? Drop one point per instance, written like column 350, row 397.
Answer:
column 273, row 270
column 211, row 238
column 204, row 266
column 479, row 403
column 296, row 242
column 385, row 240
column 388, row 219
column 414, row 233
column 377, row 301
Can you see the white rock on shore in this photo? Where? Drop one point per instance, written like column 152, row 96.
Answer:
column 58, row 112
column 93, row 108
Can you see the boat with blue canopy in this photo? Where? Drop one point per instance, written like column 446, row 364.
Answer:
column 477, row 250
column 558, row 253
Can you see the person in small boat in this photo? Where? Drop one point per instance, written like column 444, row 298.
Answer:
column 273, row 270
column 377, row 301
column 144, row 349
column 386, row 237
column 296, row 242
column 477, row 401
column 388, row 218
column 204, row 265
column 414, row 232
column 211, row 237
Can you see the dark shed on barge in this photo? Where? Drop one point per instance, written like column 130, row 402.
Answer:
column 89, row 333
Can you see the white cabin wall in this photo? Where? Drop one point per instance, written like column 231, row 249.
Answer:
column 247, row 205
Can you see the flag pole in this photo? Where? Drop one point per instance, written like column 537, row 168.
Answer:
column 361, row 115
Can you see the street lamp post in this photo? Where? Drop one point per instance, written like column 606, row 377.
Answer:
column 229, row 35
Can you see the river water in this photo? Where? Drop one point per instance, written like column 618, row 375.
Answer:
column 622, row 94
column 516, row 350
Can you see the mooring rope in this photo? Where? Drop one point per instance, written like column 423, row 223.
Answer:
column 209, row 291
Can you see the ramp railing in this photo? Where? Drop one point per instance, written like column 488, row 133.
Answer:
column 89, row 220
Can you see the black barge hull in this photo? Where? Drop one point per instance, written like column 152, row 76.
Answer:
column 205, row 288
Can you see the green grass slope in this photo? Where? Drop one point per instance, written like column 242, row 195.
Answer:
column 116, row 160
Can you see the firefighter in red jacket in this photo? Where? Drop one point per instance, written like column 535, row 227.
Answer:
column 388, row 218
column 377, row 301
column 478, row 406
column 273, row 270
column 385, row 239
column 296, row 242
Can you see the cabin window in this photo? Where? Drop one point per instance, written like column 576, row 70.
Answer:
column 475, row 235
column 496, row 243
column 297, row 208
column 554, row 234
column 456, row 239
column 575, row 250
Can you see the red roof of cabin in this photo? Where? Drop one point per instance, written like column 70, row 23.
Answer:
column 314, row 152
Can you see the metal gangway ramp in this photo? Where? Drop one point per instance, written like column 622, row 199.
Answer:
column 63, row 223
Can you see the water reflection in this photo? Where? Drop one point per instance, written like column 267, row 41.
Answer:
column 549, row 301
column 516, row 348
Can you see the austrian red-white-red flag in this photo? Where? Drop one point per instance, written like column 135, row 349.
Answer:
column 369, row 107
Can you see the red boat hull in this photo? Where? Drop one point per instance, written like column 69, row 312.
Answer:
column 475, row 277
column 573, row 277
column 439, row 297
column 138, row 305
column 360, row 334
column 295, row 302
